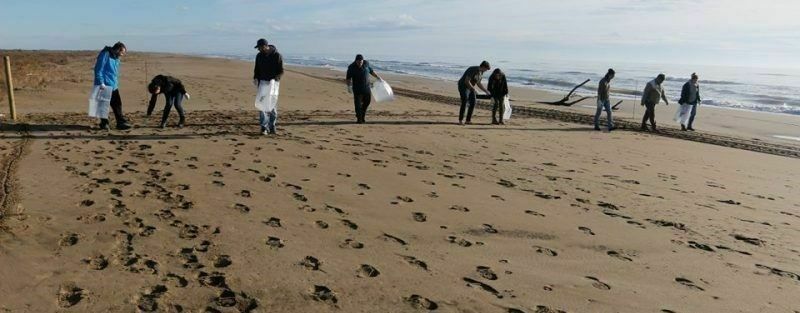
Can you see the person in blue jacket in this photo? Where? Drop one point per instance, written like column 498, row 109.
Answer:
column 106, row 75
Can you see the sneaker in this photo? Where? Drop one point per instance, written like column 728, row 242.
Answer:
column 644, row 128
column 612, row 128
column 460, row 122
column 182, row 122
column 690, row 129
column 104, row 124
column 123, row 127
column 263, row 129
column 265, row 133
column 162, row 125
column 683, row 127
column 596, row 128
column 469, row 123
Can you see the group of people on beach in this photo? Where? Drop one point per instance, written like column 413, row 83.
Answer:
column 269, row 68
column 651, row 96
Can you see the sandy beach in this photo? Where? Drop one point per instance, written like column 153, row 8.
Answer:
column 407, row 213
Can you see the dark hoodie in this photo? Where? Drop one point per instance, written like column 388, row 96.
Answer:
column 498, row 86
column 170, row 87
column 269, row 65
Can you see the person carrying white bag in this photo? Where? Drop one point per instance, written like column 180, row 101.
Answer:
column 498, row 88
column 358, row 84
column 266, row 77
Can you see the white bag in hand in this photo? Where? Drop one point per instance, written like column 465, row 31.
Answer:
column 381, row 91
column 507, row 108
column 267, row 96
column 100, row 102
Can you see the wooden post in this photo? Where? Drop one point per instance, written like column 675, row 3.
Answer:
column 10, row 86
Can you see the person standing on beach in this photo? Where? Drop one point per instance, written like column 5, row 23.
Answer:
column 269, row 66
column 498, row 88
column 173, row 91
column 466, row 89
column 690, row 98
column 106, row 75
column 652, row 95
column 358, row 84
column 604, row 101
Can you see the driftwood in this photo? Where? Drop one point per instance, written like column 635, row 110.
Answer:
column 616, row 106
column 565, row 101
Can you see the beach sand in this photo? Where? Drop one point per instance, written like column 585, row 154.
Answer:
column 409, row 213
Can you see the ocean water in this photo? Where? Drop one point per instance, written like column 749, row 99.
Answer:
column 769, row 90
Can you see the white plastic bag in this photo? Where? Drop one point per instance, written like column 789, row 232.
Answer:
column 267, row 96
column 683, row 114
column 507, row 108
column 382, row 92
column 100, row 102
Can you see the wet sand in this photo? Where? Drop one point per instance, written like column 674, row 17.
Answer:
column 409, row 213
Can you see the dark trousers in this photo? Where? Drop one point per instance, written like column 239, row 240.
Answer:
column 694, row 113
column 361, row 102
column 498, row 106
column 175, row 100
column 116, row 105
column 649, row 113
column 467, row 96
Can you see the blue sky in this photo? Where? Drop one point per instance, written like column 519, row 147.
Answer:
column 750, row 33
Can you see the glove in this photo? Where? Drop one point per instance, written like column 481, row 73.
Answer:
column 350, row 89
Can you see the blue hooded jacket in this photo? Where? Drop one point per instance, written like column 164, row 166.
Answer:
column 106, row 70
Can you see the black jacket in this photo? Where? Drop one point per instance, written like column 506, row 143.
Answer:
column 170, row 87
column 685, row 94
column 269, row 65
column 498, row 87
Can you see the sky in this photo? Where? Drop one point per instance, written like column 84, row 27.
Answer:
column 747, row 33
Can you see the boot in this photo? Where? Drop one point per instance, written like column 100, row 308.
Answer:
column 683, row 127
column 181, row 123
column 104, row 124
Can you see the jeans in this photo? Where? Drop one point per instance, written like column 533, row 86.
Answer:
column 116, row 105
column 361, row 102
column 691, row 117
column 268, row 119
column 497, row 105
column 603, row 105
column 175, row 100
column 467, row 96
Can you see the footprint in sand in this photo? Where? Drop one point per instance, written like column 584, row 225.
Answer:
column 415, row 262
column 420, row 303
column 311, row 263
column 273, row 221
column 245, row 193
column 275, row 242
column 97, row 262
column 459, row 241
column 68, row 239
column 489, row 229
column 69, row 295
column 619, row 255
column 419, row 217
column 586, row 230
column 405, row 199
column 221, row 260
column 388, row 237
column 545, row 251
column 366, row 270
column 486, row 272
column 323, row 294
column 459, row 208
column 176, row 280
column 350, row 224
column 534, row 213
column 202, row 246
column 485, row 287
column 596, row 283
column 688, row 283
column 351, row 243
column 241, row 208
column 321, row 224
